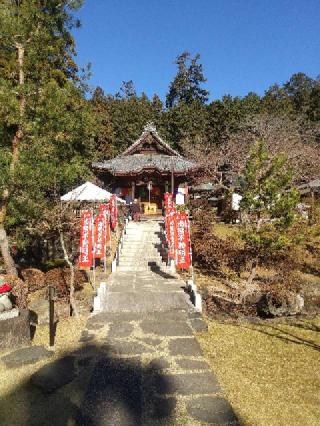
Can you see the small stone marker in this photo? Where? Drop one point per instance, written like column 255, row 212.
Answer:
column 15, row 332
column 198, row 302
column 114, row 266
column 96, row 304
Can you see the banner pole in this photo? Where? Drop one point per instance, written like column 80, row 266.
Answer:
column 93, row 253
column 190, row 253
column 109, row 226
column 105, row 245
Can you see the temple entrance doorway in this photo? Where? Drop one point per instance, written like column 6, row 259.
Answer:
column 150, row 193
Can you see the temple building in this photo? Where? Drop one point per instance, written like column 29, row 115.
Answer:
column 146, row 170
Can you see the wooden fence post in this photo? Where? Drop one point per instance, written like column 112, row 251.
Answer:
column 51, row 316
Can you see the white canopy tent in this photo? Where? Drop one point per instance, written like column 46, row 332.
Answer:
column 89, row 192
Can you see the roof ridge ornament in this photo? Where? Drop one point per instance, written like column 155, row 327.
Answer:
column 150, row 127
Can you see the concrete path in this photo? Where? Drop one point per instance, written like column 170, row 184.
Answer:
column 146, row 366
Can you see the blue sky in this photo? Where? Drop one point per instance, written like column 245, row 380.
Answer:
column 245, row 45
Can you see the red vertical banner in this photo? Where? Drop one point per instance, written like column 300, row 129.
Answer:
column 85, row 251
column 113, row 211
column 105, row 211
column 182, row 241
column 99, row 236
column 168, row 200
column 171, row 223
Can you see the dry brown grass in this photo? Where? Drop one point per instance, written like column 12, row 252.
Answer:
column 269, row 371
column 224, row 231
column 15, row 393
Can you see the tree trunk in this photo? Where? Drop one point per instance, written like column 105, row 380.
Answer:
column 4, row 200
column 9, row 264
column 6, row 255
column 253, row 273
column 72, row 275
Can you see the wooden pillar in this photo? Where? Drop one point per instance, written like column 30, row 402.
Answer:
column 133, row 187
column 172, row 177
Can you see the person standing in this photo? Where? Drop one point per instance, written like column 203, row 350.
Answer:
column 136, row 211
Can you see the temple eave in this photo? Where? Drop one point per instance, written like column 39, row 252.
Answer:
column 143, row 171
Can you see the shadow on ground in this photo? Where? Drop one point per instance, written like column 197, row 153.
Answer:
column 278, row 332
column 154, row 267
column 88, row 387
column 287, row 336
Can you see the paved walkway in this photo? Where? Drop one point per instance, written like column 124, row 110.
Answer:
column 151, row 369
column 139, row 362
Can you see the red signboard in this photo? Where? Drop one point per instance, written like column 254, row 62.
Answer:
column 182, row 241
column 85, row 252
column 99, row 236
column 168, row 200
column 113, row 211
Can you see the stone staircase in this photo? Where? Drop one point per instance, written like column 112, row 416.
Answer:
column 142, row 281
column 142, row 250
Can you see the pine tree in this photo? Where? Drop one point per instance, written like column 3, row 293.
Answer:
column 268, row 204
column 186, row 86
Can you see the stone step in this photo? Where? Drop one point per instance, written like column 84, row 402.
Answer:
column 140, row 248
column 154, row 259
column 148, row 263
column 143, row 265
column 134, row 251
column 139, row 254
column 134, row 269
column 145, row 254
column 137, row 302
column 134, row 244
column 140, row 241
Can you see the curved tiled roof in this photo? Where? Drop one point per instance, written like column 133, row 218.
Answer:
column 150, row 130
column 136, row 163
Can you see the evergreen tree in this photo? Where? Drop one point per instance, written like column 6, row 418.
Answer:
column 268, row 204
column 186, row 86
column 185, row 123
column 313, row 110
column 43, row 111
column 298, row 89
column 105, row 135
column 127, row 90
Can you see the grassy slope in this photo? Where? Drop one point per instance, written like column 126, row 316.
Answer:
column 270, row 372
